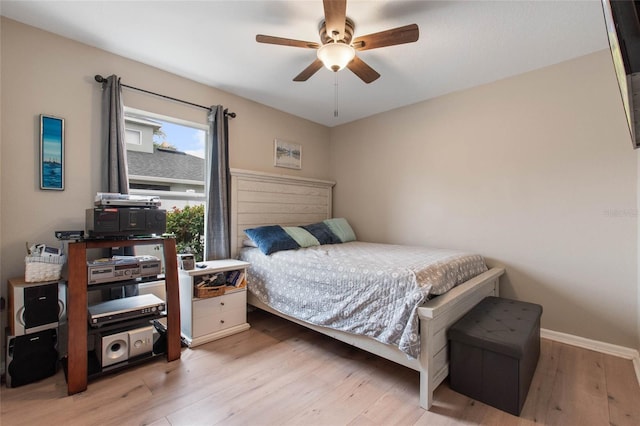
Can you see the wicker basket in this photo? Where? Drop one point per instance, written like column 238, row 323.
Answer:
column 204, row 292
column 38, row 269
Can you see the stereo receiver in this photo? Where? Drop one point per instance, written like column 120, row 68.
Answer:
column 126, row 200
column 124, row 309
column 125, row 221
column 122, row 268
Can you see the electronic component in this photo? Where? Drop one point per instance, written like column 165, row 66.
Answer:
column 125, row 309
column 125, row 221
column 122, row 268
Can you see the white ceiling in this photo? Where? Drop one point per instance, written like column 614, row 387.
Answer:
column 462, row 44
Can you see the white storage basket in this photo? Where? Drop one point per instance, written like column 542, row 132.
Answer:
column 43, row 268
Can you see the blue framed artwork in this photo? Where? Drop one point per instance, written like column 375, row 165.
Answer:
column 51, row 153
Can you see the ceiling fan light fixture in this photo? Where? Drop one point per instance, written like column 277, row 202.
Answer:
column 336, row 56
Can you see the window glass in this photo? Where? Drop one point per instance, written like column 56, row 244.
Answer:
column 169, row 162
column 133, row 136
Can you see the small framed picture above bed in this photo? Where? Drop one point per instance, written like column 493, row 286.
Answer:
column 287, row 154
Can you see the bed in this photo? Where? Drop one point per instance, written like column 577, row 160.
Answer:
column 259, row 199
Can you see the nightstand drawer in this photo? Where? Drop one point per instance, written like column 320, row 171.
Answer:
column 219, row 321
column 217, row 313
column 203, row 308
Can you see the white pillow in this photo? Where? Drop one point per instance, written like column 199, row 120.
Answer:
column 248, row 242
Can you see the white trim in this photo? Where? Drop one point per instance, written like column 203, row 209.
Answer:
column 153, row 115
column 171, row 195
column 142, row 121
column 595, row 345
column 273, row 177
column 162, row 179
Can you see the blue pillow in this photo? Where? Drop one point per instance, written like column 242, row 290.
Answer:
column 271, row 239
column 322, row 233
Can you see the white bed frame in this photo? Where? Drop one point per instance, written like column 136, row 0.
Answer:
column 259, row 199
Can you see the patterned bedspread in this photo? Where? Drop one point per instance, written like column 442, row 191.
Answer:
column 362, row 288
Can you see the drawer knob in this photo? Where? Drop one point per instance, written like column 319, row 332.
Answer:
column 222, row 303
column 221, row 321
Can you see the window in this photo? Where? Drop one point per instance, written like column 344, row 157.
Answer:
column 149, row 186
column 169, row 162
column 133, row 137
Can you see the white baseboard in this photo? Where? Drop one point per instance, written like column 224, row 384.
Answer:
column 595, row 345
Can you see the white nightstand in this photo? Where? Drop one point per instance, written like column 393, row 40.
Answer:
column 205, row 319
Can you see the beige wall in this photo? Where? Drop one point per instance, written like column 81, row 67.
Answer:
column 44, row 73
column 536, row 172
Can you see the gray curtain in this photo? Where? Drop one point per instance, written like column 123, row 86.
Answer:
column 115, row 174
column 218, row 240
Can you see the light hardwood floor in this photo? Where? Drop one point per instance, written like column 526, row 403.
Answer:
column 280, row 373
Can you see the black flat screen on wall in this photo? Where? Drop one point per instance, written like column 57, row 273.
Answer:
column 622, row 19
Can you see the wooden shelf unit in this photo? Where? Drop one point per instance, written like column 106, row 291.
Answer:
column 77, row 323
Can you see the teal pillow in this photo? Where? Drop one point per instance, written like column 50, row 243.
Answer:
column 271, row 239
column 302, row 236
column 341, row 228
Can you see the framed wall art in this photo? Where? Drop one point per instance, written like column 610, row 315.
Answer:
column 287, row 154
column 51, row 153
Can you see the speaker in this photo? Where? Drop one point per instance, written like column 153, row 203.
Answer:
column 140, row 341
column 156, row 221
column 114, row 348
column 31, row 357
column 35, row 307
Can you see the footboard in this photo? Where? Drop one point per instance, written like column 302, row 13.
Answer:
column 436, row 316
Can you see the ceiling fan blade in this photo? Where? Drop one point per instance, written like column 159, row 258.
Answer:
column 335, row 16
column 400, row 35
column 260, row 38
column 362, row 70
column 309, row 71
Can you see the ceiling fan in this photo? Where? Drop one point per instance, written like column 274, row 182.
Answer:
column 338, row 47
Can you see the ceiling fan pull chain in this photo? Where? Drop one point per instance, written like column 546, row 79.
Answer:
column 335, row 84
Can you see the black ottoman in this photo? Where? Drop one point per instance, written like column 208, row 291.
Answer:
column 494, row 352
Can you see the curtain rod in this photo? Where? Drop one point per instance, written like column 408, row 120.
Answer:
column 101, row 79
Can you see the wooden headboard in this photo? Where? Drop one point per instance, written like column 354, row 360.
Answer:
column 259, row 199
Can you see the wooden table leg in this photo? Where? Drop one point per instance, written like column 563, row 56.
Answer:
column 77, row 319
column 173, row 300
